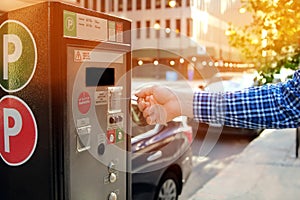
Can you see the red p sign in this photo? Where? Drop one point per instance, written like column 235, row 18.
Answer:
column 18, row 131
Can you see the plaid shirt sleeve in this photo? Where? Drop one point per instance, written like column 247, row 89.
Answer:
column 268, row 106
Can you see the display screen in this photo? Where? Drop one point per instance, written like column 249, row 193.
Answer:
column 100, row 76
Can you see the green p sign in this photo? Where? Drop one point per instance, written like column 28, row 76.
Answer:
column 18, row 56
column 70, row 24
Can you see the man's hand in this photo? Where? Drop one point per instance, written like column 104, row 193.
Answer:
column 158, row 104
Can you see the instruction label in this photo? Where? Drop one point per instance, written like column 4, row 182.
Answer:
column 85, row 27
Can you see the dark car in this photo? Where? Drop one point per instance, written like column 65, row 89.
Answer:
column 161, row 158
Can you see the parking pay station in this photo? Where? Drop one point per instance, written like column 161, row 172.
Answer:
column 64, row 104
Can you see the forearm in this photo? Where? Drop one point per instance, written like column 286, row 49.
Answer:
column 271, row 106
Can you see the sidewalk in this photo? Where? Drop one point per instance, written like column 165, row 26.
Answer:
column 266, row 170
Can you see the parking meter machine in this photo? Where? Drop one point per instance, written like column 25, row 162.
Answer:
column 64, row 104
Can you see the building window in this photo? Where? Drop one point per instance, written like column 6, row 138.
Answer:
column 129, row 5
column 120, row 5
column 138, row 29
column 102, row 9
column 171, row 4
column 199, row 31
column 192, row 3
column 148, row 4
column 168, row 4
column 189, row 27
column 188, row 3
column 139, row 4
column 86, row 4
column 95, row 4
column 168, row 28
column 178, row 27
column 147, row 29
column 157, row 28
column 111, row 7
column 201, row 5
column 178, row 3
column 157, row 3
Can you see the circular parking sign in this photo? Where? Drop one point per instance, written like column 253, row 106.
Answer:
column 18, row 56
column 18, row 131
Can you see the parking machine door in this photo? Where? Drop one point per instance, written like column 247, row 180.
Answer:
column 98, row 90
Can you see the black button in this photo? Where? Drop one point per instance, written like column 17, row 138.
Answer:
column 101, row 149
column 112, row 120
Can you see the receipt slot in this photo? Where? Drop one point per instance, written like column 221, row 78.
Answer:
column 64, row 104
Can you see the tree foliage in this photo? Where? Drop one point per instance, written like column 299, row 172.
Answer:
column 272, row 39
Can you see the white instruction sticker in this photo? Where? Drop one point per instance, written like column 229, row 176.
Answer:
column 85, row 27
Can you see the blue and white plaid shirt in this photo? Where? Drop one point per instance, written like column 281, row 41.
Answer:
column 268, row 106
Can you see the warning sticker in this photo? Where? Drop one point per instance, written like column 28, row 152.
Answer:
column 82, row 56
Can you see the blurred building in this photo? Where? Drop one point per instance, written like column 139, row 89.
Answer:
column 202, row 21
column 172, row 31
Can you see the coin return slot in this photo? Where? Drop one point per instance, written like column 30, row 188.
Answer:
column 83, row 138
